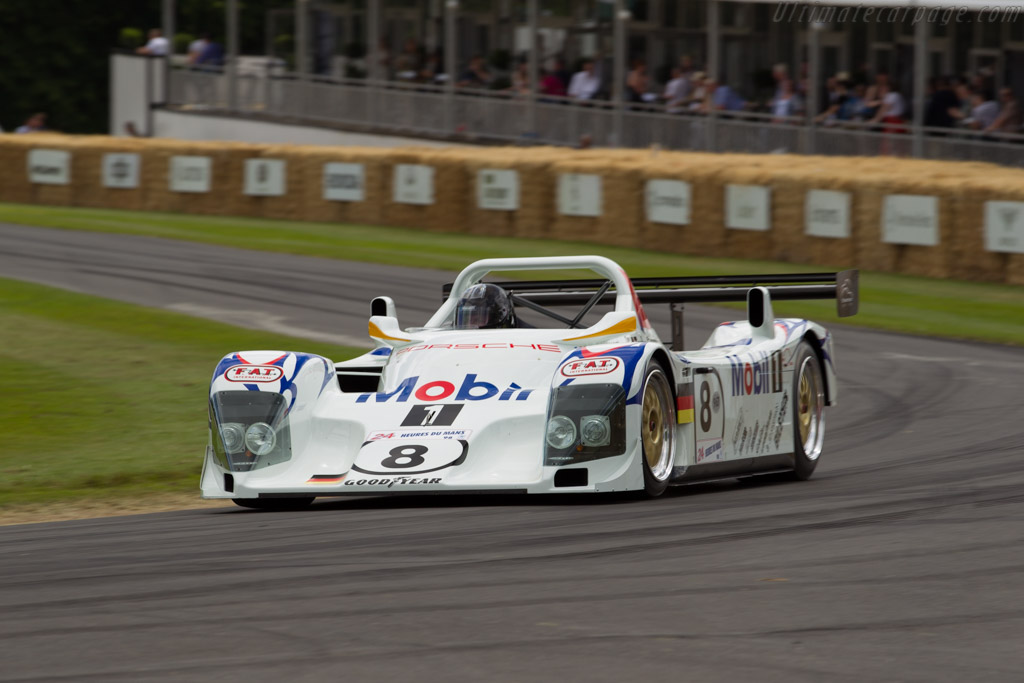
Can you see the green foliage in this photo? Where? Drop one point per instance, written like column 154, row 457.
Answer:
column 131, row 38
column 941, row 308
column 83, row 413
column 182, row 41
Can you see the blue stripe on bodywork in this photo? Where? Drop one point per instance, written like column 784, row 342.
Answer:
column 629, row 354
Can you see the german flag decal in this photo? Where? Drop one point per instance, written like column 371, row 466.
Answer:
column 684, row 403
column 338, row 478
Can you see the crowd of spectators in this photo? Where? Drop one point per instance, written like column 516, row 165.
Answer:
column 844, row 99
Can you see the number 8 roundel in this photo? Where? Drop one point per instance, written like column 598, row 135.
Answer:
column 404, row 458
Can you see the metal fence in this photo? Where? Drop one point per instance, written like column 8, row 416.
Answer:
column 482, row 115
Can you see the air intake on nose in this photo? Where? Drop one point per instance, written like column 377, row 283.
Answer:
column 576, row 476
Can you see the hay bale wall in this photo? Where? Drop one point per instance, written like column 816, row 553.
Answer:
column 961, row 189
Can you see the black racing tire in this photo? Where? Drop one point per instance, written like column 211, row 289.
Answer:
column 657, row 430
column 274, row 504
column 808, row 411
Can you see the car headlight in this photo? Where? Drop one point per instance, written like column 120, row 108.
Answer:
column 260, row 438
column 561, row 432
column 233, row 436
column 249, row 430
column 596, row 430
column 586, row 422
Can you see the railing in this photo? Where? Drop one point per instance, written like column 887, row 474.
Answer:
column 487, row 115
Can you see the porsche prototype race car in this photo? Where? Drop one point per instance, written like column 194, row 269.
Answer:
column 483, row 400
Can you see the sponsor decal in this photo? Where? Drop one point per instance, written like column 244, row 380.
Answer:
column 344, row 182
column 469, row 390
column 387, row 457
column 438, row 414
column 684, row 403
column 590, row 366
column 497, row 189
column 49, row 166
column 756, row 375
column 121, row 170
column 190, row 174
column 253, row 373
column 579, row 194
column 419, row 434
column 780, row 419
column 265, row 177
column 827, row 213
column 910, row 219
column 490, row 346
column 388, row 482
column 413, row 184
column 716, row 402
column 709, row 450
column 326, row 479
column 668, row 201
column 748, row 207
column 1004, row 227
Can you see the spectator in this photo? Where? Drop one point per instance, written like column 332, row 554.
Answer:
column 196, row 47
column 985, row 110
column 521, row 79
column 552, row 85
column 943, row 107
column 476, row 76
column 212, row 55
column 723, row 98
column 1009, row 118
column 698, row 92
column 854, row 100
column 157, row 46
column 33, row 124
column 408, row 63
column 677, row 91
column 785, row 105
column 433, row 68
column 559, row 71
column 637, row 82
column 585, row 83
column 890, row 111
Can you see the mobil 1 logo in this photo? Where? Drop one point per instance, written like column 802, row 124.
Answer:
column 437, row 415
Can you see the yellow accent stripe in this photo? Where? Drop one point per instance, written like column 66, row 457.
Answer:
column 378, row 333
column 684, row 416
column 618, row 328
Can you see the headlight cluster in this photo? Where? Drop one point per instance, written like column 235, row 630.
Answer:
column 249, row 429
column 586, row 422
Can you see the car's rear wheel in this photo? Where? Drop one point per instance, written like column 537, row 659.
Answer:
column 274, row 504
column 657, row 431
column 808, row 411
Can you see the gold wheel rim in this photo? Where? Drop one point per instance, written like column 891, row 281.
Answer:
column 805, row 407
column 653, row 426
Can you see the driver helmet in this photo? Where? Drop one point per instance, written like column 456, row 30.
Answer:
column 484, row 306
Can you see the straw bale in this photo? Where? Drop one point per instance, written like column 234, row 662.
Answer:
column 14, row 184
column 313, row 205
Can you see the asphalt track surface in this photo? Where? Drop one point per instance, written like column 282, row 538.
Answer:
column 900, row 560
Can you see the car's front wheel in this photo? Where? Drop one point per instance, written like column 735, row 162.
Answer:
column 808, row 411
column 274, row 504
column 657, row 430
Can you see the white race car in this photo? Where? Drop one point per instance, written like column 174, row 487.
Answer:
column 482, row 400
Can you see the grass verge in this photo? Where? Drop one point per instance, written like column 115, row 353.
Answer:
column 105, row 400
column 943, row 308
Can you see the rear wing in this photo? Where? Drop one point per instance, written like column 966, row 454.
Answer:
column 843, row 286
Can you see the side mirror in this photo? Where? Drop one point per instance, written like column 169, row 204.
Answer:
column 383, row 306
column 759, row 312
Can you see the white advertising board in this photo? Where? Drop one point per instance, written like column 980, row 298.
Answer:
column 827, row 213
column 748, row 207
column 497, row 189
column 265, row 177
column 910, row 219
column 121, row 170
column 191, row 174
column 49, row 166
column 1004, row 226
column 579, row 194
column 344, row 182
column 413, row 184
column 668, row 201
